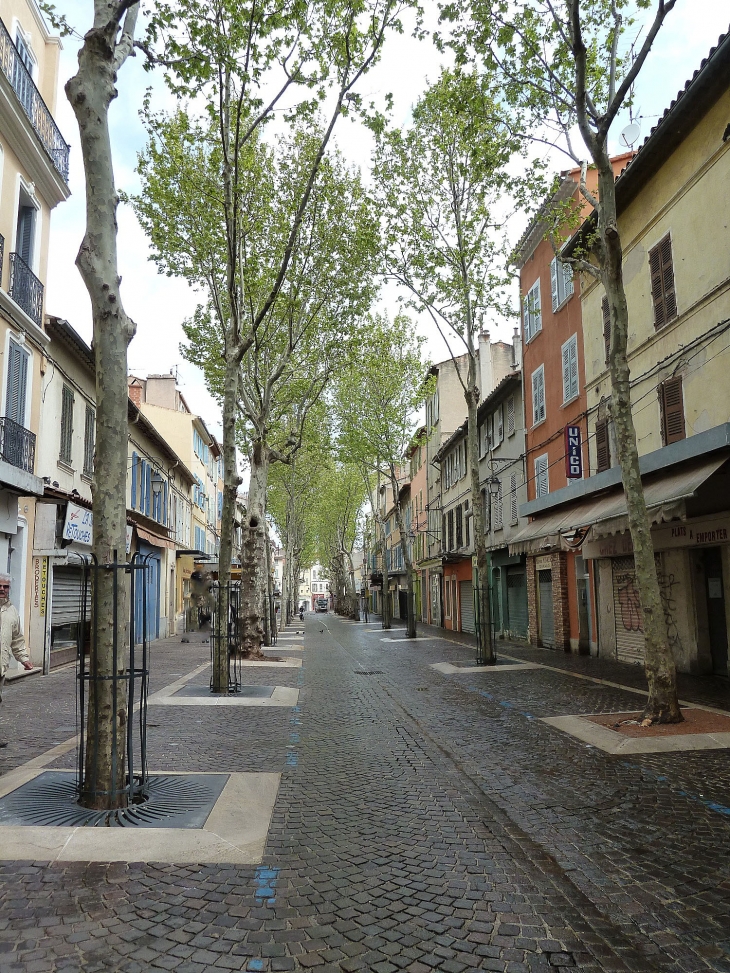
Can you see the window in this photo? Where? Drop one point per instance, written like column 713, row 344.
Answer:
column 22, row 79
column 513, row 498
column 485, row 510
column 459, row 526
column 603, row 448
column 499, row 425
column 17, row 382
column 606, row 315
column 450, row 520
column 89, row 440
column 561, row 282
column 25, row 233
column 488, row 433
column 444, row 534
column 671, row 403
column 67, row 420
column 467, row 521
column 510, row 415
column 570, row 368
column 538, row 395
column 662, row 282
column 542, row 485
column 497, row 509
column 531, row 311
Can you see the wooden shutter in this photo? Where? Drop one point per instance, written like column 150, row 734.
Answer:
column 133, row 491
column 497, row 509
column 566, row 371
column 662, row 282
column 513, row 497
column 541, row 477
column 24, row 243
column 17, row 382
column 89, row 441
column 555, row 270
column 573, row 349
column 510, row 415
column 603, row 451
column 567, row 279
column 526, row 316
column 67, row 410
column 499, row 422
column 606, row 311
column 672, row 405
column 538, row 396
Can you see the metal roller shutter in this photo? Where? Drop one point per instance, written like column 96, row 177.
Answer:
column 627, row 612
column 66, row 596
column 547, row 619
column 517, row 601
column 466, row 597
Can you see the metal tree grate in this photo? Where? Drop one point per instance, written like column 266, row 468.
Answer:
column 51, row 800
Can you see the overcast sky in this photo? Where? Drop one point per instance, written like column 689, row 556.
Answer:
column 158, row 305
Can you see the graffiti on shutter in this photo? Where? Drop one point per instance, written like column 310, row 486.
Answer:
column 627, row 612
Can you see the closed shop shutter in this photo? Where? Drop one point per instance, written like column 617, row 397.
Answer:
column 66, row 596
column 466, row 597
column 547, row 621
column 627, row 612
column 517, row 602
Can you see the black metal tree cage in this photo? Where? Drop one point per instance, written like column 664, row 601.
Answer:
column 225, row 634
column 129, row 678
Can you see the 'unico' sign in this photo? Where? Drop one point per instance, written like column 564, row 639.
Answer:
column 573, row 453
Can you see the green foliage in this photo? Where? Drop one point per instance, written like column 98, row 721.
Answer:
column 443, row 185
column 337, row 514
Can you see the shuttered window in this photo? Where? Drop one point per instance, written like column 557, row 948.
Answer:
column 510, row 415
column 467, row 520
column 561, row 282
column 485, row 510
column 133, row 488
column 606, row 314
column 542, row 484
column 89, row 440
column 603, row 449
column 450, row 519
column 459, row 526
column 662, row 282
column 444, row 535
column 499, row 425
column 25, row 235
column 570, row 368
column 67, row 424
column 538, row 395
column 531, row 311
column 17, row 382
column 672, row 410
column 513, row 498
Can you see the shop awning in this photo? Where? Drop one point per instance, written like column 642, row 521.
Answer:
column 156, row 539
column 664, row 494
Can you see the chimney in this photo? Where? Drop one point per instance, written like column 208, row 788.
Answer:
column 135, row 392
column 486, row 365
column 516, row 349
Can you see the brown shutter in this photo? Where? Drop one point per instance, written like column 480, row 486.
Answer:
column 606, row 327
column 603, row 451
column 672, row 403
column 662, row 282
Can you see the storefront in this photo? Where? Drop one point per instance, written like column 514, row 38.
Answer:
column 509, row 594
column 458, row 595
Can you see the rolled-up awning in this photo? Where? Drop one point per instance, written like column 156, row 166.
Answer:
column 664, row 493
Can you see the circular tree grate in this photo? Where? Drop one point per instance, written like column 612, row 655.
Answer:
column 172, row 801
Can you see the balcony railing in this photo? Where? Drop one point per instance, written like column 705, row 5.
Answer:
column 17, row 445
column 25, row 289
column 33, row 104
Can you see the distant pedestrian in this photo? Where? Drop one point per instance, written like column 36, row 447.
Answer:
column 12, row 642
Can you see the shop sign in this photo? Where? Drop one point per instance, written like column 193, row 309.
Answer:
column 544, row 562
column 698, row 533
column 40, row 584
column 79, row 525
column 573, row 453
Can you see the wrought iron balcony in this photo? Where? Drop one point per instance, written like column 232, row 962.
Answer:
column 17, row 445
column 33, row 104
column 25, row 289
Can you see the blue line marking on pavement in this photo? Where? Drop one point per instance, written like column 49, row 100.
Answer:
column 296, row 709
column 255, row 964
column 292, row 759
column 698, row 799
column 265, row 881
column 506, row 704
column 294, row 738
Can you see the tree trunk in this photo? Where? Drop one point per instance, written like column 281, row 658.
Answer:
column 231, row 482
column 405, row 551
column 662, row 705
column 485, row 646
column 386, row 593
column 90, row 93
column 253, row 554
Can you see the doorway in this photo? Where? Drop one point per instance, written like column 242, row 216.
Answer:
column 716, row 618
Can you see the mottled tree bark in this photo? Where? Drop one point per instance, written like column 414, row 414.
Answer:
column 90, row 93
column 253, row 555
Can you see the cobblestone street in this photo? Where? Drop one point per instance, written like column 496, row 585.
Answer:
column 424, row 821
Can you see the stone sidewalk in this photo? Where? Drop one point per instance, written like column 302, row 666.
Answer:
column 423, row 822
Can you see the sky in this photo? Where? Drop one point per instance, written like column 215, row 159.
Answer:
column 159, row 304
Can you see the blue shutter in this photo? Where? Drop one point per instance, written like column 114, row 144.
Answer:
column 164, row 504
column 133, row 496
column 148, row 488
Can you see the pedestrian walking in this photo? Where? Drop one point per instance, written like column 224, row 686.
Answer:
column 12, row 642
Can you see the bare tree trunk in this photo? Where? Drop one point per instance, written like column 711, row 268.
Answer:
column 662, row 705
column 231, row 482
column 90, row 93
column 485, row 645
column 253, row 554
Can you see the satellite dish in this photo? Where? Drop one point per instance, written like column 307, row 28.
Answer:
column 630, row 134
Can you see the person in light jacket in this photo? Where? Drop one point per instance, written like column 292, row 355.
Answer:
column 12, row 642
